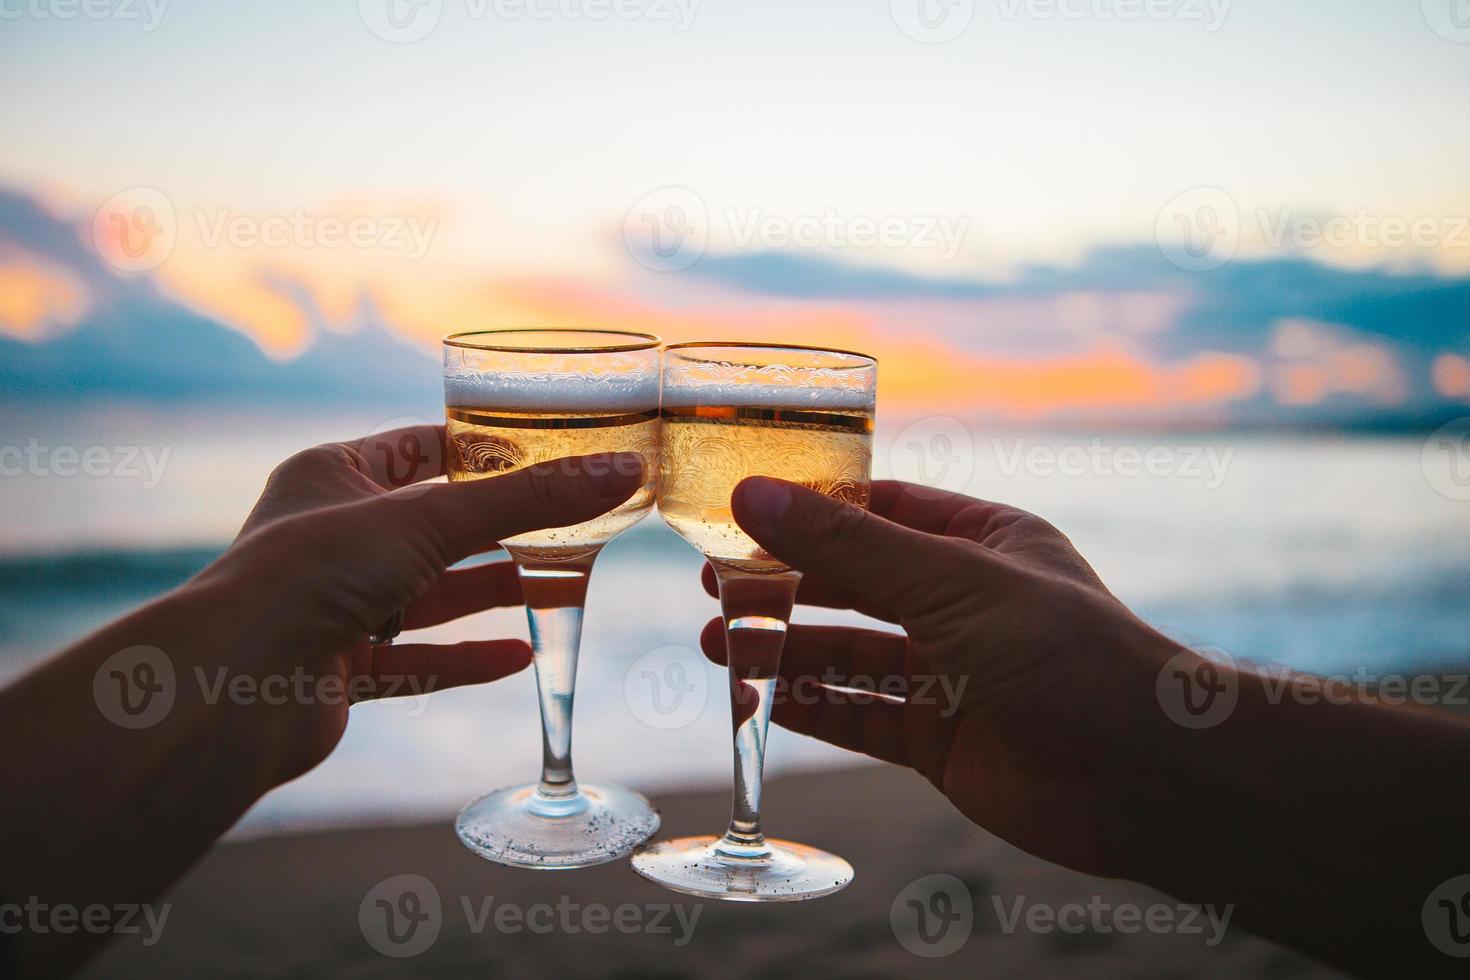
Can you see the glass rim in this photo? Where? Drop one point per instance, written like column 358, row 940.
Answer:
column 870, row 360
column 644, row 341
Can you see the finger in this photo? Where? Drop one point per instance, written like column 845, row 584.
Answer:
column 399, row 457
column 814, row 591
column 849, row 657
column 420, row 668
column 892, row 566
column 919, row 507
column 876, row 729
column 465, row 591
column 463, row 519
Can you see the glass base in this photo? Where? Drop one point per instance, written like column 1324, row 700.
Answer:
column 702, row 866
column 523, row 829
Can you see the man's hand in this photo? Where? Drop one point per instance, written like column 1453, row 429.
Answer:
column 1023, row 673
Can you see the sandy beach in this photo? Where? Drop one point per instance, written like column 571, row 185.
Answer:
column 290, row 906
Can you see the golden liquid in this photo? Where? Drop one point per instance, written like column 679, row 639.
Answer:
column 708, row 450
column 485, row 442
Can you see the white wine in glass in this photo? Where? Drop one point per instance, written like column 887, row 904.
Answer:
column 733, row 411
column 515, row 398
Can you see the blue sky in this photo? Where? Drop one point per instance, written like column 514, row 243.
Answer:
column 524, row 137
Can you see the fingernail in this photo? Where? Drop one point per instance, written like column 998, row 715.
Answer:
column 614, row 474
column 763, row 501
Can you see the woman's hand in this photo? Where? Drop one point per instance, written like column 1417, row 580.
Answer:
column 253, row 663
column 346, row 535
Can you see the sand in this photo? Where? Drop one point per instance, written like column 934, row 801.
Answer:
column 289, row 906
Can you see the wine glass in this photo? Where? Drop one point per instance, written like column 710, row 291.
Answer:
column 515, row 398
column 733, row 411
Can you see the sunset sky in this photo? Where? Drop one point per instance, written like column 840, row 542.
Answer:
column 997, row 216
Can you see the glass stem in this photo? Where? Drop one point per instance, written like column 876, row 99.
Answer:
column 756, row 609
column 555, row 593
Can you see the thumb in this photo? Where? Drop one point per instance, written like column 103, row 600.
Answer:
column 464, row 519
column 900, row 569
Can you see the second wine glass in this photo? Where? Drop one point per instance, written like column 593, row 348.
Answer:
column 733, row 411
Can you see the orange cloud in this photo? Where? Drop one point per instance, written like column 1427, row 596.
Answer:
column 916, row 372
column 1452, row 376
column 1317, row 360
column 35, row 295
